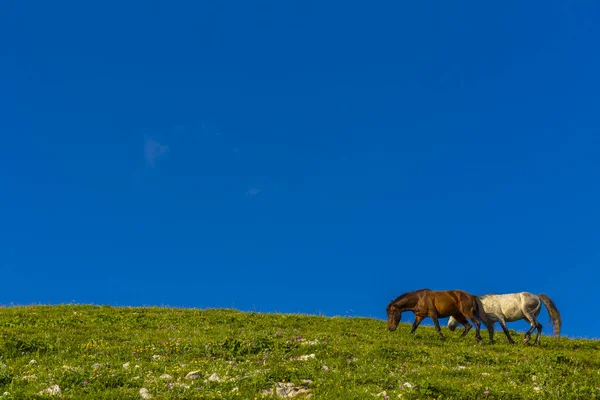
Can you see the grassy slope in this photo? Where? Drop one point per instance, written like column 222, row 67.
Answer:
column 355, row 358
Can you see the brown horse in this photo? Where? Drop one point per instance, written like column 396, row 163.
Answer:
column 438, row 304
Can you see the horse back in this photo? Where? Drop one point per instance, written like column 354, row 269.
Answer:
column 451, row 302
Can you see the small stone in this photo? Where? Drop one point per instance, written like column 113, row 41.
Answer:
column 166, row 377
column 306, row 357
column 53, row 390
column 288, row 390
column 156, row 357
column 126, row 365
column 193, row 375
column 537, row 388
column 214, row 378
column 145, row 394
column 407, row 384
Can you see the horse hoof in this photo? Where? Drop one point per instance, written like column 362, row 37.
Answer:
column 526, row 340
column 511, row 342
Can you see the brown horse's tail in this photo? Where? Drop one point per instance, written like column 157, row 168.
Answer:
column 480, row 313
column 553, row 311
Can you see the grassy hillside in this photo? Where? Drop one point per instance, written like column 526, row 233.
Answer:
column 111, row 353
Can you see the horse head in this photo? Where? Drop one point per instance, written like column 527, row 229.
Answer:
column 394, row 314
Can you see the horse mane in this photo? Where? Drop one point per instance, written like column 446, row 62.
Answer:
column 407, row 294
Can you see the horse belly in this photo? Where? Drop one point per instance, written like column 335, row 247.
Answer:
column 445, row 307
column 512, row 312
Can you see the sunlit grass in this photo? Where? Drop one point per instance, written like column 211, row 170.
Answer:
column 111, row 353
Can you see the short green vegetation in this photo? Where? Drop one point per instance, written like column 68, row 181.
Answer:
column 94, row 352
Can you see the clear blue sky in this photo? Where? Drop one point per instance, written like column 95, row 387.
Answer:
column 314, row 157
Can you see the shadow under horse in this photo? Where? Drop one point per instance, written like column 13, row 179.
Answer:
column 438, row 304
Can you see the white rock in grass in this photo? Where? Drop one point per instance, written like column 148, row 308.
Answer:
column 166, row 377
column 193, row 375
column 537, row 388
column 156, row 357
column 53, row 390
column 126, row 365
column 288, row 390
column 306, row 357
column 145, row 394
column 407, row 385
column 214, row 378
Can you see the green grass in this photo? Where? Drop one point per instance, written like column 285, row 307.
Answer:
column 355, row 358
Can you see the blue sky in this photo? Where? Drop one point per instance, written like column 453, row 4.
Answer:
column 314, row 157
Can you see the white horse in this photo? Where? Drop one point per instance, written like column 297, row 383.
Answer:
column 513, row 307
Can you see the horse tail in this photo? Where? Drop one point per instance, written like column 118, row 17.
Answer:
column 553, row 311
column 480, row 312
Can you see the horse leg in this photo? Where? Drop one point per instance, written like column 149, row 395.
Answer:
column 490, row 329
column 477, row 327
column 464, row 322
column 539, row 332
column 434, row 318
column 469, row 312
column 532, row 317
column 533, row 324
column 505, row 329
column 415, row 324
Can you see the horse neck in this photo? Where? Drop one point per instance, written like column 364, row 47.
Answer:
column 407, row 303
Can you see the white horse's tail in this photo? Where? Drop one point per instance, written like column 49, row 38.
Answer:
column 553, row 311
